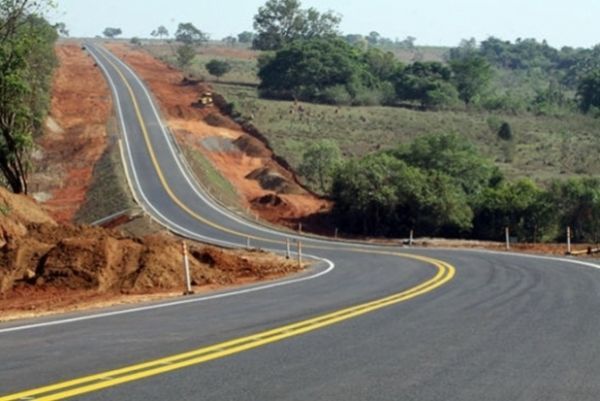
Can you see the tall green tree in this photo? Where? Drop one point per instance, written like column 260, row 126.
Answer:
column 454, row 156
column 588, row 91
column 185, row 55
column 112, row 32
column 319, row 162
column 188, row 34
column 279, row 22
column 246, row 37
column 26, row 60
column 471, row 74
column 160, row 32
column 306, row 69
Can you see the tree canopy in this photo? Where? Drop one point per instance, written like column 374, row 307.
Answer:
column 188, row 34
column 588, row 91
column 310, row 69
column 218, row 68
column 112, row 32
column 27, row 60
column 280, row 22
column 160, row 32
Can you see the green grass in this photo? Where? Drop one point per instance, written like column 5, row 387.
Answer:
column 217, row 185
column 109, row 192
column 544, row 147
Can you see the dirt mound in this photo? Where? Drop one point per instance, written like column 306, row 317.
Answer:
column 272, row 180
column 39, row 256
column 191, row 125
column 270, row 200
column 252, row 146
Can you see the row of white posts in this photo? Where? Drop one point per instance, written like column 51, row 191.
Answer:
column 288, row 253
column 186, row 260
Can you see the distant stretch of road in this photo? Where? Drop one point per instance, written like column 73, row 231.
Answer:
column 365, row 322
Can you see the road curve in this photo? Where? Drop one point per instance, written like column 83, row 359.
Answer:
column 384, row 324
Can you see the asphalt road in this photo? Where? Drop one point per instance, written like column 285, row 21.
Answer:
column 481, row 326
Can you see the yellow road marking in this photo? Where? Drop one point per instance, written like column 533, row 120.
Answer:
column 160, row 173
column 71, row 388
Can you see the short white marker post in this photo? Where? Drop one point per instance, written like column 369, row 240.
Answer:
column 336, row 232
column 412, row 238
column 300, row 227
column 248, row 243
column 299, row 253
column 288, row 253
column 507, row 232
column 186, row 266
column 568, row 240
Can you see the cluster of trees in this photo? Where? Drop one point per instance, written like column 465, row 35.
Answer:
column 440, row 185
column 330, row 70
column 27, row 61
column 564, row 70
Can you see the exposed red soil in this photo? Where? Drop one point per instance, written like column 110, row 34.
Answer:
column 547, row 249
column 75, row 137
column 46, row 266
column 193, row 125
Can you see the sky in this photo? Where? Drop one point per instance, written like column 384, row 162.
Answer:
column 432, row 22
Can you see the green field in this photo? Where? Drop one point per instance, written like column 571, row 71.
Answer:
column 545, row 147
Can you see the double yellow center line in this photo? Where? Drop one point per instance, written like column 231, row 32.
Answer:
column 112, row 378
column 95, row 382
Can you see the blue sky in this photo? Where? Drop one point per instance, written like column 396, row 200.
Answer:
column 432, row 22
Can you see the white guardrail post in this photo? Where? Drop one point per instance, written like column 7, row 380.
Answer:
column 186, row 267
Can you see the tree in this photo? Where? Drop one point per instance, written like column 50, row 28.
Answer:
column 188, row 34
column 577, row 203
column 426, row 82
column 230, row 40
column 160, row 32
column 522, row 206
column 112, row 32
column 218, row 68
column 135, row 41
column 279, row 22
column 505, row 132
column 319, row 162
column 471, row 75
column 588, row 91
column 309, row 69
column 382, row 195
column 61, row 28
column 454, row 156
column 381, row 64
column 374, row 38
column 185, row 55
column 246, row 37
column 27, row 60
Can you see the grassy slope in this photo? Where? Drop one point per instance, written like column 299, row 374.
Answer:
column 544, row 148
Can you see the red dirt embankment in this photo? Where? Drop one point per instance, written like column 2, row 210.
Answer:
column 265, row 186
column 75, row 137
column 47, row 266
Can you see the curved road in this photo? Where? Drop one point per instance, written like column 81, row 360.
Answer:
column 366, row 323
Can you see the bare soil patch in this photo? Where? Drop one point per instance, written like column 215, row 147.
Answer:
column 192, row 126
column 75, row 137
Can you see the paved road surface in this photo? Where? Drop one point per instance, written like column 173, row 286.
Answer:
column 366, row 323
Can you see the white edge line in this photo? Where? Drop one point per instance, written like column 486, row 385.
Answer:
column 170, row 225
column 329, row 263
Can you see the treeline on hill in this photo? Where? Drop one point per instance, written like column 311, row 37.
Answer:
column 308, row 60
column 27, row 60
column 440, row 185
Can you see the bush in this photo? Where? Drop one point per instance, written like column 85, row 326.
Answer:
column 505, row 132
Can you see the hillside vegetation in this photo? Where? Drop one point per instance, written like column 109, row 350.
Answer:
column 334, row 106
